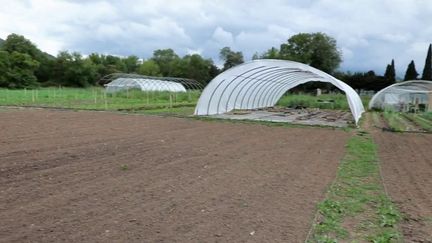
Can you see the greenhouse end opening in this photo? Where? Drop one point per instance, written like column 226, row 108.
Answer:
column 251, row 90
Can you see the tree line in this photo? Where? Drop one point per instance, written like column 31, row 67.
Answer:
column 22, row 64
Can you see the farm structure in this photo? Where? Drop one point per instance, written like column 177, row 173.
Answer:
column 409, row 96
column 121, row 81
column 261, row 83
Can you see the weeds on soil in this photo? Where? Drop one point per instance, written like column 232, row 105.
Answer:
column 124, row 167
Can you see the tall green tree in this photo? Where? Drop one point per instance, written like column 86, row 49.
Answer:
column 132, row 63
column 18, row 43
column 71, row 69
column 411, row 72
column 390, row 73
column 427, row 70
column 272, row 53
column 166, row 59
column 21, row 71
column 149, row 68
column 4, row 68
column 197, row 68
column 316, row 49
column 230, row 58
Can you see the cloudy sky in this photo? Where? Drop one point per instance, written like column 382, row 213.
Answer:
column 368, row 32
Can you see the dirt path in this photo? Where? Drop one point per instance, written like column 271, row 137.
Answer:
column 103, row 177
column 406, row 161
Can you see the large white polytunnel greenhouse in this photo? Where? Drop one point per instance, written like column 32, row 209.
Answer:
column 261, row 83
column 144, row 85
column 409, row 96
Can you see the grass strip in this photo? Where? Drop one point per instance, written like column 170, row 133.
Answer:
column 424, row 123
column 356, row 208
column 394, row 120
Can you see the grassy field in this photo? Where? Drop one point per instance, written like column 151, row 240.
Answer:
column 357, row 208
column 95, row 98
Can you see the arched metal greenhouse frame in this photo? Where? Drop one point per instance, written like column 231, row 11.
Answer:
column 261, row 83
column 157, row 83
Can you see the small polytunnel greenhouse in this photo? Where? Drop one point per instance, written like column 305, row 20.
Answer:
column 120, row 81
column 144, row 85
column 409, row 96
column 261, row 83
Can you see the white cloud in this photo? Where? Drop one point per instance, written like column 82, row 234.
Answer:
column 370, row 33
column 223, row 37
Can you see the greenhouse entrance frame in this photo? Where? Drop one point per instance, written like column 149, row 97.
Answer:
column 261, row 83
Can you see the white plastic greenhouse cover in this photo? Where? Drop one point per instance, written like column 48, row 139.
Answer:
column 261, row 83
column 144, row 84
column 400, row 93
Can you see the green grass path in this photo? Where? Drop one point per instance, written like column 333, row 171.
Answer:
column 356, row 207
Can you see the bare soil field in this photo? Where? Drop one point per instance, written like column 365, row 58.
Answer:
column 406, row 161
column 104, row 177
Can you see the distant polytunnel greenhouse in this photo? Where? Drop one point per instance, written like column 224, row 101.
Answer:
column 409, row 96
column 121, row 81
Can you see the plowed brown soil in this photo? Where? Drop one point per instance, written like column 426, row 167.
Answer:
column 406, row 161
column 104, row 177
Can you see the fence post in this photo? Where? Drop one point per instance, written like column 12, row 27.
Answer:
column 95, row 95
column 106, row 102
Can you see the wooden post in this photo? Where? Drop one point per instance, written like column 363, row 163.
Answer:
column 170, row 96
column 95, row 95
column 106, row 102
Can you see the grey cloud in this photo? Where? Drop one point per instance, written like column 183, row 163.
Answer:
column 369, row 32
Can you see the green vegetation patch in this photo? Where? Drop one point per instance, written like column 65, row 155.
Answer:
column 325, row 101
column 356, row 208
column 427, row 116
column 394, row 121
column 95, row 98
column 420, row 120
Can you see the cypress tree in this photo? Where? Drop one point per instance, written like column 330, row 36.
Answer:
column 427, row 71
column 411, row 72
column 390, row 73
